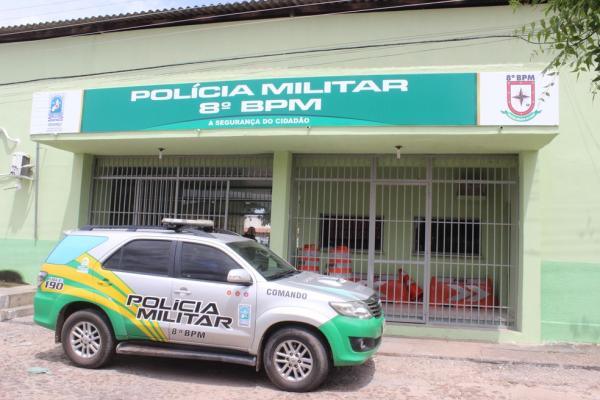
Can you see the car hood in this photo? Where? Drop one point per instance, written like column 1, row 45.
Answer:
column 339, row 288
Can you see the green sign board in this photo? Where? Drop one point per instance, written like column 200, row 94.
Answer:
column 366, row 100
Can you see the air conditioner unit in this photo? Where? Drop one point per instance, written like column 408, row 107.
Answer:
column 20, row 166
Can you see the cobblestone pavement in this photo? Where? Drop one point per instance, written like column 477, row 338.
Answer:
column 24, row 345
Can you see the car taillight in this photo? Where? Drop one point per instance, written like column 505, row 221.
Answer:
column 41, row 277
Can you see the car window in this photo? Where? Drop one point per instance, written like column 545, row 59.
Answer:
column 267, row 263
column 142, row 256
column 205, row 263
column 73, row 246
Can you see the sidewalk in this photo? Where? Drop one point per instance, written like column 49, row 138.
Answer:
column 571, row 356
column 16, row 300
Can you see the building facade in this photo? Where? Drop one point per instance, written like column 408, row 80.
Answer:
column 353, row 143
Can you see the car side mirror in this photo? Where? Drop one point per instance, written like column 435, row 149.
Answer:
column 239, row 276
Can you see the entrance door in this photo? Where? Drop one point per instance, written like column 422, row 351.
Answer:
column 399, row 266
column 441, row 225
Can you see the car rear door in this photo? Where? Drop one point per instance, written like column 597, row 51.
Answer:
column 143, row 270
column 212, row 312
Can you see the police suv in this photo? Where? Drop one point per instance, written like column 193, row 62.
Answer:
column 187, row 290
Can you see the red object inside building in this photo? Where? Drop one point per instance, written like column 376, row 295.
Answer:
column 402, row 289
column 461, row 292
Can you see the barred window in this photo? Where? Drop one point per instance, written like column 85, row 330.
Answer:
column 448, row 236
column 349, row 230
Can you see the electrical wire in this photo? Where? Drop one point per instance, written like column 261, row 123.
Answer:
column 237, row 25
column 312, row 64
column 270, row 61
column 256, row 58
column 404, row 53
column 285, row 53
column 253, row 63
column 299, row 51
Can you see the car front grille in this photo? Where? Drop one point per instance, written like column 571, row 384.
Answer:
column 374, row 304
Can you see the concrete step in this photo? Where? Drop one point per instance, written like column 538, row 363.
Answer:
column 16, row 312
column 16, row 296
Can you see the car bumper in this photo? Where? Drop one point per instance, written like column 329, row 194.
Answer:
column 343, row 334
column 45, row 311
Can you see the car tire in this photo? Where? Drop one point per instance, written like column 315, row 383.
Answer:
column 296, row 360
column 87, row 339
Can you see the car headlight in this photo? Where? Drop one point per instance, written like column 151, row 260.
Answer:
column 355, row 309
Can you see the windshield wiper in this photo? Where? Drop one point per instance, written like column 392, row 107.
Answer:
column 283, row 274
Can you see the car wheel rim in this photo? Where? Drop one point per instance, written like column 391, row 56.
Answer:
column 293, row 360
column 85, row 339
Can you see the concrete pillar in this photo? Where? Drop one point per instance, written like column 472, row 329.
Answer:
column 87, row 165
column 280, row 207
column 530, row 238
column 77, row 210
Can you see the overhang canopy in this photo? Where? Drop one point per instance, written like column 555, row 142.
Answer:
column 414, row 140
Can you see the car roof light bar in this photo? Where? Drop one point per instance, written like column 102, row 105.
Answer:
column 178, row 224
column 201, row 223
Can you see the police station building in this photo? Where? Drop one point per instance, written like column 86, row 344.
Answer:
column 418, row 149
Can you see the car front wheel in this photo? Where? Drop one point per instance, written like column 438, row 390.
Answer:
column 296, row 360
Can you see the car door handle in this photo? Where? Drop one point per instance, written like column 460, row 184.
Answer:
column 104, row 282
column 182, row 291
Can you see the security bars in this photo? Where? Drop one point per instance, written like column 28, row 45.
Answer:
column 441, row 232
column 143, row 190
column 436, row 236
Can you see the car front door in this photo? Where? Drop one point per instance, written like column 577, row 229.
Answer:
column 211, row 311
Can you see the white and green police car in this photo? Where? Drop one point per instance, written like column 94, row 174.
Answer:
column 189, row 291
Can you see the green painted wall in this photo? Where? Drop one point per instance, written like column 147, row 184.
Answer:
column 570, row 302
column 24, row 256
column 568, row 215
column 63, row 201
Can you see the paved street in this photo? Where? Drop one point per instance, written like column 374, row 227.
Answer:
column 411, row 375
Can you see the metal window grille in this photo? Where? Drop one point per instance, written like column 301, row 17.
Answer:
column 144, row 190
column 441, row 232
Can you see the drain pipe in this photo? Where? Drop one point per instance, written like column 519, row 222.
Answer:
column 36, row 183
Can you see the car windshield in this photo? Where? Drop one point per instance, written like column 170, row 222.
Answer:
column 267, row 263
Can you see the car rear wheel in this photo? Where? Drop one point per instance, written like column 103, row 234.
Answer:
column 296, row 360
column 87, row 339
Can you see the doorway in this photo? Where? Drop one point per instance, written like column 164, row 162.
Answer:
column 435, row 236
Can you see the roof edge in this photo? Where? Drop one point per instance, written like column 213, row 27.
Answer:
column 239, row 11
